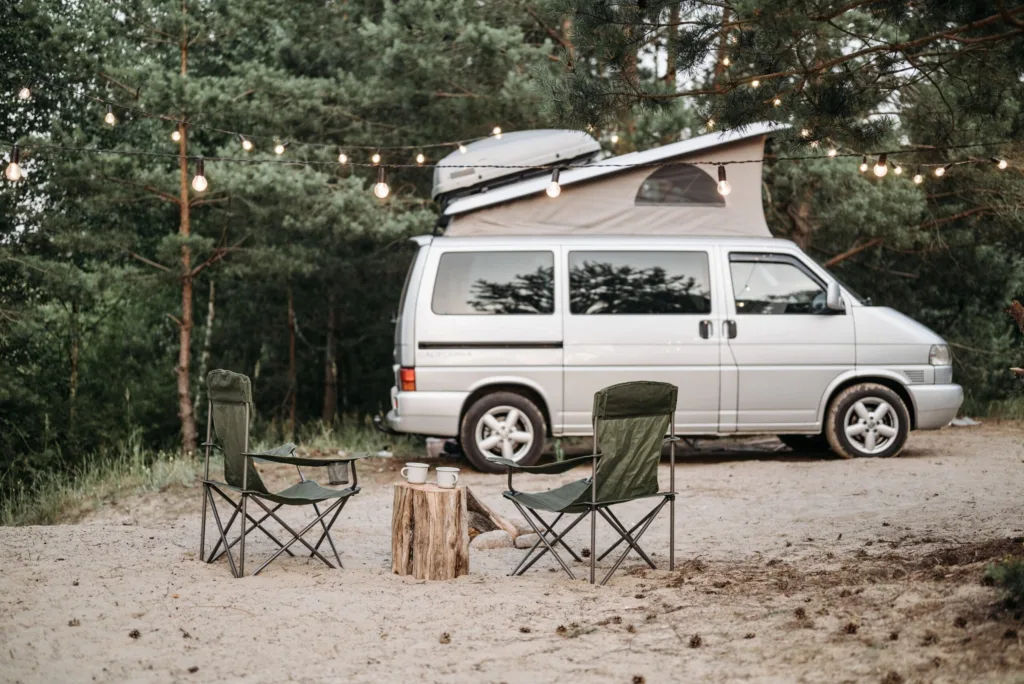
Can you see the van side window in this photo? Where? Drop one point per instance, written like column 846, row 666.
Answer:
column 477, row 283
column 677, row 184
column 769, row 284
column 639, row 283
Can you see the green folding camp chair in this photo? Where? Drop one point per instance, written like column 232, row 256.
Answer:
column 229, row 410
column 630, row 423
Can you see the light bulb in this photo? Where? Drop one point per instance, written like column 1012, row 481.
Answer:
column 755, row 83
column 176, row 135
column 863, row 165
column 342, row 158
column 815, row 144
column 725, row 61
column 723, row 184
column 880, row 168
column 420, row 158
column 462, row 148
column 375, row 158
column 13, row 170
column 918, row 179
column 777, row 101
column 246, row 143
column 896, row 168
column 381, row 189
column 940, row 171
column 804, row 133
column 199, row 183
column 280, row 147
column 554, row 189
column 1000, row 163
column 614, row 138
column 109, row 117
column 496, row 131
column 832, row 152
column 24, row 93
column 711, row 124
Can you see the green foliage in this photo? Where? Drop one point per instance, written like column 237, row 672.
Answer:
column 1008, row 576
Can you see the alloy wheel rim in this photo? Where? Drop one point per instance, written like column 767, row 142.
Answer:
column 871, row 425
column 504, row 431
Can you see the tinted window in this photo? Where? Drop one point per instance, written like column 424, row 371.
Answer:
column 766, row 287
column 680, row 184
column 639, row 283
column 495, row 283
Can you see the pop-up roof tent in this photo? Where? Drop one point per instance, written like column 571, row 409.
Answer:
column 661, row 191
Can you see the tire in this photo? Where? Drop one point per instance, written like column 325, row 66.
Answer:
column 867, row 420
column 806, row 444
column 484, row 431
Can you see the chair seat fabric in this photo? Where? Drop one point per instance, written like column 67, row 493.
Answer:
column 300, row 494
column 557, row 500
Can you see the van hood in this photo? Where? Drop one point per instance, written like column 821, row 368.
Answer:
column 882, row 325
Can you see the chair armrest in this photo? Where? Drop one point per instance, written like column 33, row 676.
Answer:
column 671, row 438
column 212, row 444
column 555, row 468
column 274, row 456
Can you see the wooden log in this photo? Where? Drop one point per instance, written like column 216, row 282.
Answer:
column 500, row 522
column 429, row 532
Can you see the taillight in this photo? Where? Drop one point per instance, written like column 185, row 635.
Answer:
column 407, row 379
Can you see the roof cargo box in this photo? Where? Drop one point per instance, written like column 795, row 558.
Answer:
column 474, row 170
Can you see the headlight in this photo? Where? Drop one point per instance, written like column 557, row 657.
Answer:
column 939, row 355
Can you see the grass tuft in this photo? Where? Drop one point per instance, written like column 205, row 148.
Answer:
column 1008, row 576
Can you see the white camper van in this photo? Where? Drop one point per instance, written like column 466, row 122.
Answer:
column 528, row 305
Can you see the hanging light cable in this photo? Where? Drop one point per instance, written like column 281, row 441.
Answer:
column 13, row 170
column 199, row 183
column 723, row 184
column 381, row 189
column 881, row 167
column 554, row 189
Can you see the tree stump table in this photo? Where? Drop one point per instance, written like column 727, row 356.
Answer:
column 429, row 534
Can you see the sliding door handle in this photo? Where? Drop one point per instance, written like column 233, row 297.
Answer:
column 705, row 329
column 730, row 329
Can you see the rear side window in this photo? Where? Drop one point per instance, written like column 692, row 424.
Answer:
column 639, row 283
column 479, row 283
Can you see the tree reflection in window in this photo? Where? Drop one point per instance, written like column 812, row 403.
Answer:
column 532, row 293
column 775, row 288
column 481, row 283
column 639, row 283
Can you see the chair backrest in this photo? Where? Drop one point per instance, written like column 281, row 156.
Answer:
column 230, row 396
column 631, row 420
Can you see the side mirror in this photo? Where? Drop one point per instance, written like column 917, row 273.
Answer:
column 834, row 298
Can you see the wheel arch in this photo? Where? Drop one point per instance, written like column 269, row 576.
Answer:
column 525, row 388
column 889, row 379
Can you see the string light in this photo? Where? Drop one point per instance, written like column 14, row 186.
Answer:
column 246, row 143
column 723, row 184
column 375, row 158
column 554, row 189
column 815, row 144
column 462, row 148
column 711, row 124
column 940, row 171
column 280, row 147
column 199, row 183
column 804, row 133
column 109, row 117
column 725, row 61
column 342, row 157
column 896, row 168
column 381, row 189
column 918, row 178
column 615, row 138
column 832, row 152
column 755, row 83
column 863, row 165
column 24, row 93
column 1001, row 164
column 777, row 101
column 13, row 170
column 496, row 131
column 420, row 158
column 881, row 168
column 176, row 134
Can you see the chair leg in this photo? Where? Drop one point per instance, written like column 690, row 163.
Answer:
column 257, row 524
column 298, row 537
column 643, row 529
column 241, row 545
column 202, row 526
column 555, row 538
column 327, row 532
column 223, row 535
column 622, row 539
column 672, row 533
column 627, row 535
column 542, row 538
column 593, row 541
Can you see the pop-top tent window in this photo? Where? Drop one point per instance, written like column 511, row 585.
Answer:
column 679, row 184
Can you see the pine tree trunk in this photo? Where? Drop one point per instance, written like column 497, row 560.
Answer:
column 73, row 377
column 185, row 413
column 330, row 370
column 204, row 358
column 670, row 42
column 723, row 45
column 292, row 380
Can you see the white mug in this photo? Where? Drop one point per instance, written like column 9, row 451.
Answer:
column 447, row 478
column 415, row 473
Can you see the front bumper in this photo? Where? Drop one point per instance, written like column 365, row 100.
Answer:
column 435, row 414
column 935, row 405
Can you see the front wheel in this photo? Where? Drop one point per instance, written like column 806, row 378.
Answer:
column 502, row 424
column 867, row 420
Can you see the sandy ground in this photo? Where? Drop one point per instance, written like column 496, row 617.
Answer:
column 788, row 570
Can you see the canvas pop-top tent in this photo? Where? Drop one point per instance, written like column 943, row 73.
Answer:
column 661, row 191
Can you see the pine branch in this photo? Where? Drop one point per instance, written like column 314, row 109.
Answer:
column 148, row 262
column 148, row 188
column 853, row 251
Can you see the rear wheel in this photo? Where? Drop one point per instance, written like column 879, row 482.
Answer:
column 806, row 444
column 867, row 420
column 502, row 424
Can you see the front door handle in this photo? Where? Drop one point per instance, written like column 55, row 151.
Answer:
column 705, row 329
column 730, row 329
